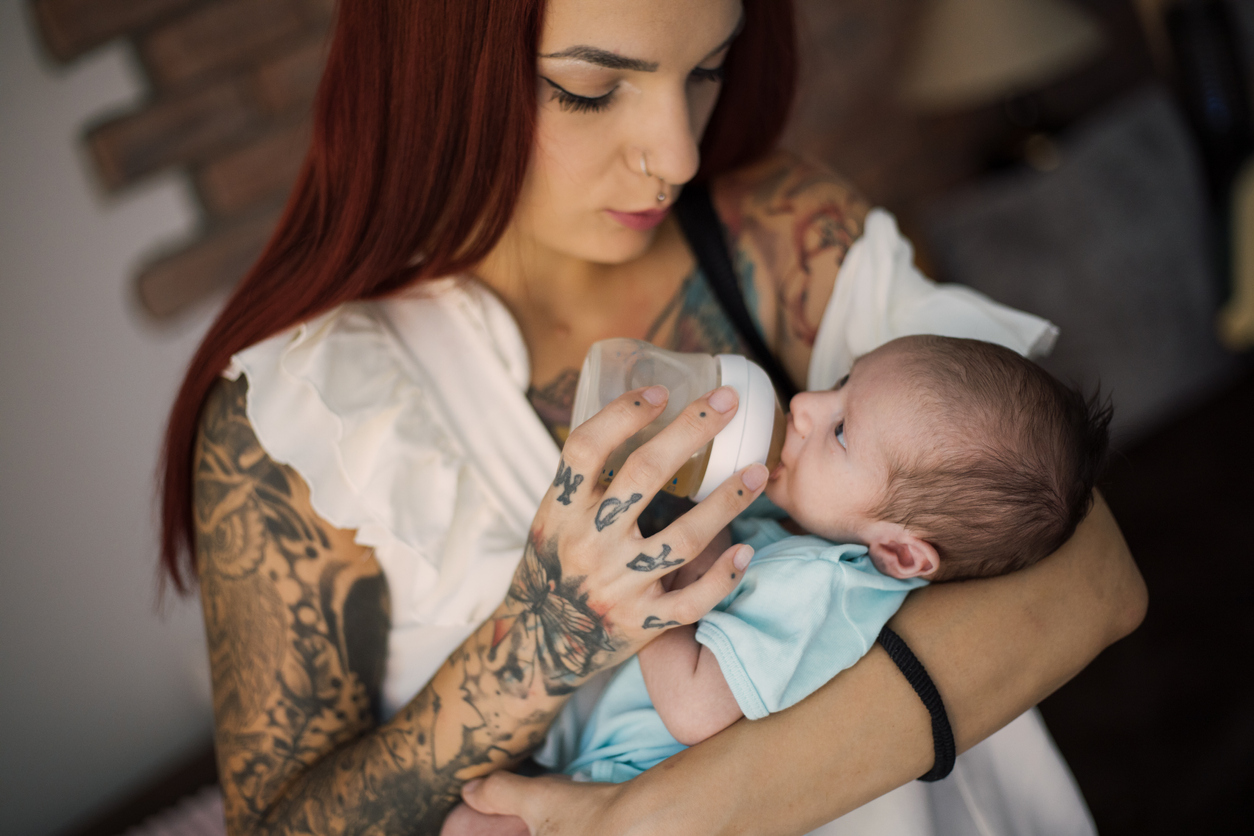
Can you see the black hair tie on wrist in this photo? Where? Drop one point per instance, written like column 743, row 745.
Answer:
column 914, row 672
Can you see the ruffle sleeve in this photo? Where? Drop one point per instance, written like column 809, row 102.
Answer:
column 334, row 399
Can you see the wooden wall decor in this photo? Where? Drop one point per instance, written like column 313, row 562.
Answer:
column 231, row 82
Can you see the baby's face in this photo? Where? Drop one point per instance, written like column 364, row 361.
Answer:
column 835, row 463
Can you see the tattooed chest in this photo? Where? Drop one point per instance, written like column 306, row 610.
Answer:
column 691, row 321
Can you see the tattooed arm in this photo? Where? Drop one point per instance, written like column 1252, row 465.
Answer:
column 296, row 615
column 791, row 224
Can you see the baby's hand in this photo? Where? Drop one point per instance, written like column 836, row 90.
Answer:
column 695, row 568
column 466, row 821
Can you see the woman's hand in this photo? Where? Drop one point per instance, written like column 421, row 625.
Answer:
column 549, row 804
column 589, row 591
column 463, row 820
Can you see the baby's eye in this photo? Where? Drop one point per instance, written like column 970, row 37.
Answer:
column 840, row 434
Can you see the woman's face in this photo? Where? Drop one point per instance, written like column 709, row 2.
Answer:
column 618, row 79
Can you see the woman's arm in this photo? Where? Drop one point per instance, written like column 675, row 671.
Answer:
column 687, row 686
column 296, row 616
column 993, row 647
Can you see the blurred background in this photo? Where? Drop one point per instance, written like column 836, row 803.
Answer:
column 1088, row 160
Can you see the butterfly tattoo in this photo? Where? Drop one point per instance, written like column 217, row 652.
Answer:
column 567, row 633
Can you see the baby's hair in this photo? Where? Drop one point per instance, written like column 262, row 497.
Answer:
column 1016, row 462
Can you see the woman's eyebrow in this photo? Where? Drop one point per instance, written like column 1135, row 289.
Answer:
column 614, row 61
column 605, row 58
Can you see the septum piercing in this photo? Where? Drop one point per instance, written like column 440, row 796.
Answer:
column 644, row 169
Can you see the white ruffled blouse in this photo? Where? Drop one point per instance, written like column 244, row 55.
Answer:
column 409, row 421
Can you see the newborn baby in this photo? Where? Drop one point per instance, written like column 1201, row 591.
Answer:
column 935, row 459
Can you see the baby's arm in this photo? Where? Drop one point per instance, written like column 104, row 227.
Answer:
column 687, row 686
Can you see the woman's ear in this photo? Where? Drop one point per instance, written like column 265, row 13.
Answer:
column 899, row 553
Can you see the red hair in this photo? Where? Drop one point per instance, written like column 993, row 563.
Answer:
column 422, row 131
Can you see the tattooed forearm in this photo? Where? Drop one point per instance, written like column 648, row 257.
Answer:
column 568, row 483
column 647, row 563
column 296, row 617
column 613, row 508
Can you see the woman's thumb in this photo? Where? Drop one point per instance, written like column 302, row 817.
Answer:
column 500, row 794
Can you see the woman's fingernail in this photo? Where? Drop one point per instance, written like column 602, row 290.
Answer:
column 655, row 395
column 742, row 558
column 723, row 399
column 471, row 786
column 754, row 476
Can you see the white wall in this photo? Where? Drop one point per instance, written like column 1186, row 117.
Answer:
column 96, row 689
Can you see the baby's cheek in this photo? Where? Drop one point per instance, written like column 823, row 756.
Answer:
column 776, row 492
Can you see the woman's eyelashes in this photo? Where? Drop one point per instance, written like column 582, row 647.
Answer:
column 568, row 101
column 574, row 103
column 714, row 74
column 840, row 435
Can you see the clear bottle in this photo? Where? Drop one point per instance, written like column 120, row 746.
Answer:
column 755, row 434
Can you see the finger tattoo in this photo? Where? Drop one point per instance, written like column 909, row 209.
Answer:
column 568, row 483
column 612, row 508
column 655, row 623
column 647, row 563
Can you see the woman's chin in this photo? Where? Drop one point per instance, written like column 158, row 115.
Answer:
column 624, row 246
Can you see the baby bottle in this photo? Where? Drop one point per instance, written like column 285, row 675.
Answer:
column 755, row 434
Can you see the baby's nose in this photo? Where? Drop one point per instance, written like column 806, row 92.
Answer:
column 799, row 410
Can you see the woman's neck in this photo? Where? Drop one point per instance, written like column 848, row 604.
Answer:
column 562, row 305
column 542, row 287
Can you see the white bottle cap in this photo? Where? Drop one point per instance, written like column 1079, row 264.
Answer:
column 747, row 439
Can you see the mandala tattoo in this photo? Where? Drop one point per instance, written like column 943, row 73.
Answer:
column 566, row 482
column 647, row 563
column 613, row 508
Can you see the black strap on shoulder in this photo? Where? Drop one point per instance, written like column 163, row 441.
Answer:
column 914, row 672
column 704, row 231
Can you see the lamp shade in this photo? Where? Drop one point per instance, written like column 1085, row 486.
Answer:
column 974, row 52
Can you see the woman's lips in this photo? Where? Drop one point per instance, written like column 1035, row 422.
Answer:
column 639, row 221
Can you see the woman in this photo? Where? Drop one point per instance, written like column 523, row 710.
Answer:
column 358, row 496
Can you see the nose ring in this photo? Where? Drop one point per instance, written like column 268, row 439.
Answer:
column 644, row 169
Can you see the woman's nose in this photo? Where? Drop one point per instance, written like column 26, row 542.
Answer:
column 671, row 140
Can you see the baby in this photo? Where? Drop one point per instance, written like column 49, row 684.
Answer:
column 935, row 459
column 940, row 458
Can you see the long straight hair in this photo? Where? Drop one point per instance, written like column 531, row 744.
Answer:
column 422, row 130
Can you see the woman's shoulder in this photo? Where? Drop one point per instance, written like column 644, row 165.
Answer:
column 783, row 185
column 790, row 224
column 783, row 181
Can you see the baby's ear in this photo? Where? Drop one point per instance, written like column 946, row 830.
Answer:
column 899, row 553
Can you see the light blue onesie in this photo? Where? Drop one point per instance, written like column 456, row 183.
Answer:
column 805, row 610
